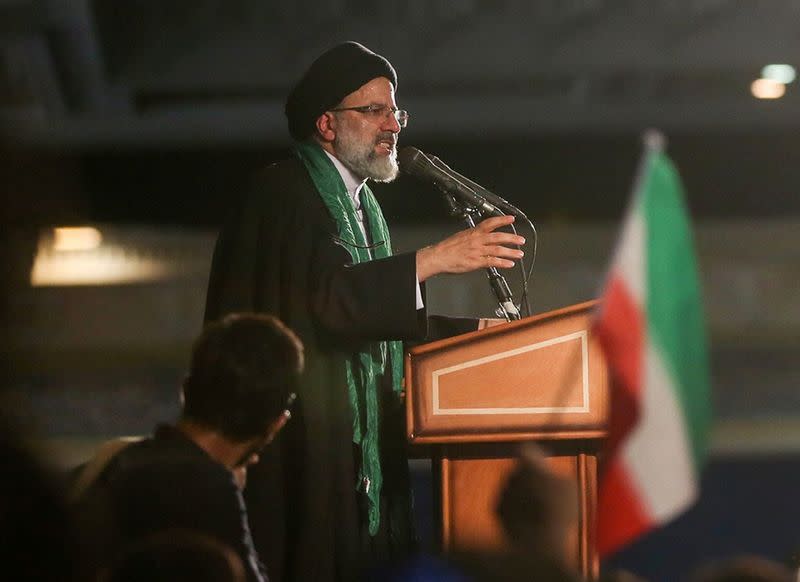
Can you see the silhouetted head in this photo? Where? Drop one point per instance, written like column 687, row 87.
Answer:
column 243, row 374
column 536, row 507
column 744, row 569
column 174, row 555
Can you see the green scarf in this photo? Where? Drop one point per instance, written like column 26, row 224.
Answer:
column 365, row 371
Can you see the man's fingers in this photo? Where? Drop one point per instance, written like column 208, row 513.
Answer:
column 476, row 248
column 505, row 238
column 500, row 251
column 499, row 262
column 495, row 222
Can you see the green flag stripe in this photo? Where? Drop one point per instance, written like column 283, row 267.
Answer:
column 674, row 309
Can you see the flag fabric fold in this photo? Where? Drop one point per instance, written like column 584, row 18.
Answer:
column 651, row 329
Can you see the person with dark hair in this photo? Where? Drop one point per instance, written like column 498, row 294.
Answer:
column 309, row 243
column 536, row 508
column 257, row 360
column 239, row 392
column 174, row 555
column 745, row 568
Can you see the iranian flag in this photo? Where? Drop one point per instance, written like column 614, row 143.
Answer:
column 651, row 329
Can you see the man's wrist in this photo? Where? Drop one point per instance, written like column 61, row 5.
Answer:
column 425, row 263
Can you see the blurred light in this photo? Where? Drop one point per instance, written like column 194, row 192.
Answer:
column 767, row 89
column 779, row 73
column 105, row 266
column 76, row 238
column 77, row 255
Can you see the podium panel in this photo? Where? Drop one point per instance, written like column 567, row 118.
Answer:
column 470, row 488
column 538, row 378
column 471, row 397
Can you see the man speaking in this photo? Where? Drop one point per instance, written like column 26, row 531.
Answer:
column 309, row 243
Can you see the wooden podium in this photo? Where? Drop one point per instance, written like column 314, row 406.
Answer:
column 472, row 398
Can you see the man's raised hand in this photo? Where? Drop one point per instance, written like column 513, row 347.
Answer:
column 471, row 249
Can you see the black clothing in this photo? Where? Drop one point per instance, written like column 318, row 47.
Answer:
column 37, row 536
column 168, row 482
column 280, row 253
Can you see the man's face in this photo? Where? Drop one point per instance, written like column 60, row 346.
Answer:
column 367, row 142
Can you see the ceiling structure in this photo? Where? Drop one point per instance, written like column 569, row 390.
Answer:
column 92, row 73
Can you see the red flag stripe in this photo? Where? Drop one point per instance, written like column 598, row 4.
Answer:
column 621, row 516
column 621, row 334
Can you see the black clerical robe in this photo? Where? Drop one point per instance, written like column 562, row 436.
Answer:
column 280, row 253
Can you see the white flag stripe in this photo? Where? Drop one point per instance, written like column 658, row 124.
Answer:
column 629, row 256
column 657, row 452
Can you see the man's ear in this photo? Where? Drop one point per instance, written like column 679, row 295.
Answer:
column 326, row 127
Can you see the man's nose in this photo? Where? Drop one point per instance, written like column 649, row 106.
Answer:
column 390, row 123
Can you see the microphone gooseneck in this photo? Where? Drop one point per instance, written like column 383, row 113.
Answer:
column 412, row 161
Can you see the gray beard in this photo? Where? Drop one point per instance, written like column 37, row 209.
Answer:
column 361, row 159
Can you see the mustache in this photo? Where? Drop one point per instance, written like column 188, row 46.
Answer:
column 387, row 136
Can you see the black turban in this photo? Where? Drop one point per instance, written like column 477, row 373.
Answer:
column 334, row 75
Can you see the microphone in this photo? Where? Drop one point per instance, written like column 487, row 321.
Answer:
column 414, row 162
column 498, row 201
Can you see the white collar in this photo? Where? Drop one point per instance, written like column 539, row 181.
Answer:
column 352, row 182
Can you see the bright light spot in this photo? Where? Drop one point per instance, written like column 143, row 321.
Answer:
column 77, row 255
column 104, row 266
column 779, row 73
column 767, row 89
column 76, row 238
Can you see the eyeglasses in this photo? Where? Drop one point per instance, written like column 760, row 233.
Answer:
column 379, row 111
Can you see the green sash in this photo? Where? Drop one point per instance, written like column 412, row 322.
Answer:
column 364, row 371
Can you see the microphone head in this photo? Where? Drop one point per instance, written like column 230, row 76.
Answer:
column 412, row 161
